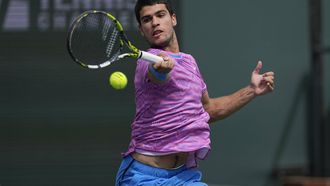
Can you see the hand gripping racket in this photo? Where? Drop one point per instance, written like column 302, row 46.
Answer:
column 96, row 39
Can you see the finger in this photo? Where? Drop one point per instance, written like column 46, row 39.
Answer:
column 258, row 67
column 157, row 65
column 271, row 86
column 271, row 82
column 168, row 62
column 269, row 74
column 163, row 55
column 172, row 65
column 269, row 79
column 166, row 59
column 171, row 62
column 165, row 63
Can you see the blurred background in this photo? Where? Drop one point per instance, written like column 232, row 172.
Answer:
column 61, row 124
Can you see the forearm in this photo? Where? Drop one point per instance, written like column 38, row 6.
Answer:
column 222, row 107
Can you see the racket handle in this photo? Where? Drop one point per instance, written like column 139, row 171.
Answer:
column 150, row 57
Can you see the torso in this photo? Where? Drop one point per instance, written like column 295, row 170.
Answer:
column 170, row 117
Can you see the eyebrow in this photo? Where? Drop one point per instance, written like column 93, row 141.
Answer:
column 147, row 16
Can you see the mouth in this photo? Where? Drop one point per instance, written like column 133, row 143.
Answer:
column 157, row 33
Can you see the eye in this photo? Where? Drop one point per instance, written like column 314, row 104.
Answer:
column 161, row 14
column 146, row 19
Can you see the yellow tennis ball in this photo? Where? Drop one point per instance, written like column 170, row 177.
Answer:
column 118, row 80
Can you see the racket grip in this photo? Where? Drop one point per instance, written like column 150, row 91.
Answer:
column 150, row 57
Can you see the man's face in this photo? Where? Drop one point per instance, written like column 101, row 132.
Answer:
column 157, row 24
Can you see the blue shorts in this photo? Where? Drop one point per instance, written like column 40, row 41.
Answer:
column 132, row 172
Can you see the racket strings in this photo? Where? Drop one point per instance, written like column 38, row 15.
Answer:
column 112, row 42
column 105, row 31
column 95, row 39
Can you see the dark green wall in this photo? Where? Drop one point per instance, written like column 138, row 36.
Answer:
column 60, row 124
column 227, row 38
column 64, row 125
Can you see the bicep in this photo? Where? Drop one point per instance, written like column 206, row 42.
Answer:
column 214, row 107
column 208, row 105
column 206, row 101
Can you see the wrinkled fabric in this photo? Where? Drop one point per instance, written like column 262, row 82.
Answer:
column 170, row 117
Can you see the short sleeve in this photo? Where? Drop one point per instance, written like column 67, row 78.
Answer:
column 204, row 87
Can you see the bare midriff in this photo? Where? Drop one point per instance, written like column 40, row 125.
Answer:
column 165, row 161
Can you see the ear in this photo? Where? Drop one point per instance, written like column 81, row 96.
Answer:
column 174, row 21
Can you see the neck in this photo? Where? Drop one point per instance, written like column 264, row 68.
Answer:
column 173, row 46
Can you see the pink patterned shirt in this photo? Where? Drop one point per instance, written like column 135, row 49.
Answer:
column 170, row 117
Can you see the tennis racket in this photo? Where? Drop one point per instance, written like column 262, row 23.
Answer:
column 96, row 39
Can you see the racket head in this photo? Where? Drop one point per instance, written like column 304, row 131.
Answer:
column 96, row 39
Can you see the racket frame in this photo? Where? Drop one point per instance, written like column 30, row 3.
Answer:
column 134, row 52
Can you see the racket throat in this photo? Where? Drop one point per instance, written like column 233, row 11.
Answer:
column 122, row 56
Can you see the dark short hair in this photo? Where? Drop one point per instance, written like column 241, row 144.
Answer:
column 141, row 3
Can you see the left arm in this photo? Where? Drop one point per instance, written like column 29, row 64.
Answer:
column 222, row 107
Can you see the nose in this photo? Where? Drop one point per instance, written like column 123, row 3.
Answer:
column 155, row 21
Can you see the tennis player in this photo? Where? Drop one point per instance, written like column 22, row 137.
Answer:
column 171, row 130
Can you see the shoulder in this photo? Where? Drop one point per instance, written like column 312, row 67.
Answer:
column 189, row 57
